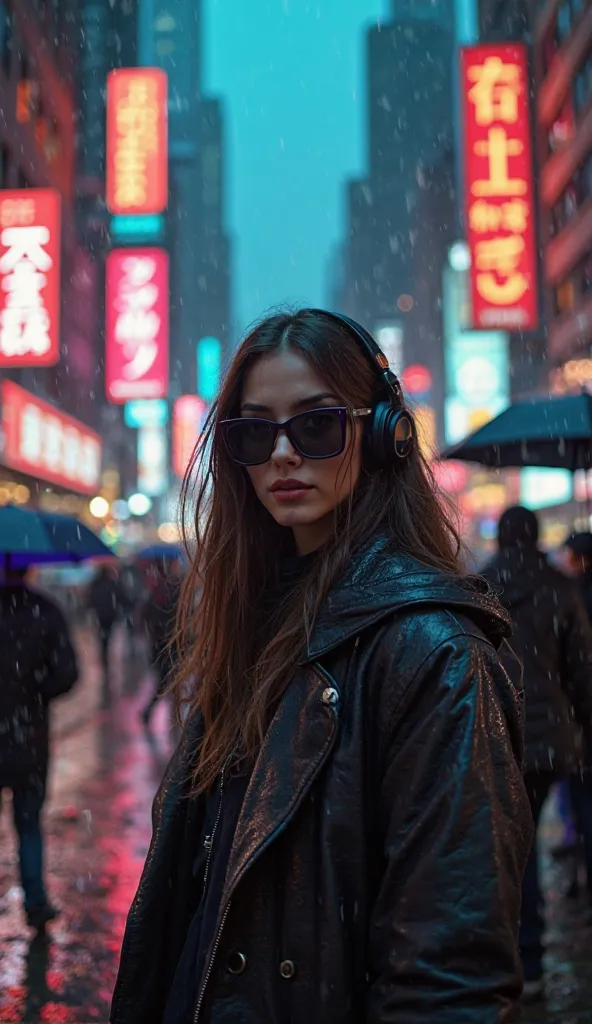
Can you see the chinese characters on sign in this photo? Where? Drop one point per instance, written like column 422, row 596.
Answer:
column 44, row 442
column 499, row 187
column 137, row 141
column 137, row 297
column 29, row 277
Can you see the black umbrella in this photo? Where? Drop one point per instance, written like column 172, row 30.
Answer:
column 550, row 432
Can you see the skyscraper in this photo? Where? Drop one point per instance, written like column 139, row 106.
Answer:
column 409, row 98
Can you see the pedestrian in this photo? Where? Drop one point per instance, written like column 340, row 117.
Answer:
column 579, row 549
column 342, row 832
column 110, row 604
column 579, row 563
column 134, row 586
column 159, row 613
column 37, row 664
column 552, row 641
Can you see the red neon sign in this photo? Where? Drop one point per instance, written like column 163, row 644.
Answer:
column 137, row 338
column 29, row 277
column 44, row 442
column 137, row 141
column 189, row 413
column 499, row 187
column 417, row 379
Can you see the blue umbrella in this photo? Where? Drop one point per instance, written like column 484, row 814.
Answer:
column 30, row 537
column 155, row 551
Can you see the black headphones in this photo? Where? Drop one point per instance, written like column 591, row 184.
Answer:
column 389, row 432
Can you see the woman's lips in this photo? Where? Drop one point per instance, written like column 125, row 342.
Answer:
column 290, row 490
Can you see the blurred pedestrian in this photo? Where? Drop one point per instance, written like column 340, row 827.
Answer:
column 552, row 641
column 134, row 585
column 579, row 550
column 110, row 604
column 159, row 613
column 37, row 664
column 342, row 832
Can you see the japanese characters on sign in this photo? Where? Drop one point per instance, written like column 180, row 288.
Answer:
column 43, row 442
column 29, row 277
column 499, row 187
column 137, row 141
column 137, row 339
column 189, row 413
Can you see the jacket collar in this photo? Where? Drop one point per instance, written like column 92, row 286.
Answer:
column 380, row 581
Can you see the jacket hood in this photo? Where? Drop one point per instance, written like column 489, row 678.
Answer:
column 379, row 581
column 516, row 575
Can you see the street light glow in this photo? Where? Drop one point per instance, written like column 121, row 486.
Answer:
column 139, row 504
column 99, row 507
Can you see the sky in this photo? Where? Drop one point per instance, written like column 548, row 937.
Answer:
column 291, row 73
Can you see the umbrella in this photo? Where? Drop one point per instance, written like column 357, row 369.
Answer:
column 156, row 551
column 550, row 432
column 29, row 536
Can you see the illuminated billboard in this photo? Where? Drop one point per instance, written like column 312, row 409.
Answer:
column 189, row 413
column 152, row 461
column 209, row 367
column 137, row 335
column 500, row 207
column 477, row 364
column 29, row 277
column 44, row 442
column 137, row 141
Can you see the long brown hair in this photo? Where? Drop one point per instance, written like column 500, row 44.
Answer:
column 232, row 669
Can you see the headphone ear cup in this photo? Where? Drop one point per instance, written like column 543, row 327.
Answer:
column 389, row 436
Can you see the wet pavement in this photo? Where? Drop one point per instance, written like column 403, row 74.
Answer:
column 105, row 772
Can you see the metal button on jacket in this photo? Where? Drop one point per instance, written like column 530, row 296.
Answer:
column 330, row 696
column 287, row 969
column 236, row 963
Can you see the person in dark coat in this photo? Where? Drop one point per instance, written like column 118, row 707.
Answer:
column 342, row 832
column 552, row 653
column 158, row 614
column 37, row 664
column 110, row 603
column 579, row 549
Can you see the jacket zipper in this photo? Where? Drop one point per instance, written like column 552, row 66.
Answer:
column 320, row 673
column 209, row 840
column 211, row 964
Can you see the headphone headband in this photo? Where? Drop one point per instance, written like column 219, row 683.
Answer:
column 373, row 351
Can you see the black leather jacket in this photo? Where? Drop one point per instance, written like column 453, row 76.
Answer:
column 376, row 868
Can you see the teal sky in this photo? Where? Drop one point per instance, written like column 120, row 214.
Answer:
column 291, row 73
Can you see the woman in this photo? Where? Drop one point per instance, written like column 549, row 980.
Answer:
column 341, row 836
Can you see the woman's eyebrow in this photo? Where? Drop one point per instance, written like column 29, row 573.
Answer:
column 302, row 403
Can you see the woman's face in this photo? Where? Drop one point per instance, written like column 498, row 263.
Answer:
column 277, row 387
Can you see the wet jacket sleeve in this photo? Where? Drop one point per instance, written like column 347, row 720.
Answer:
column 457, row 831
column 577, row 651
column 60, row 657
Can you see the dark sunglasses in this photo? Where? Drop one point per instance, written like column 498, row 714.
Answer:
column 316, row 434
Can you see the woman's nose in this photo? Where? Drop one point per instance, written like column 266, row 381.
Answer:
column 284, row 451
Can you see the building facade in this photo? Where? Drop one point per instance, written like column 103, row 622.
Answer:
column 562, row 46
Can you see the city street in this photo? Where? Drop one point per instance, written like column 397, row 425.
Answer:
column 105, row 772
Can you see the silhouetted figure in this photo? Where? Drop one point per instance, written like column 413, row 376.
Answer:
column 579, row 548
column 37, row 664
column 159, row 618
column 110, row 603
column 553, row 641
